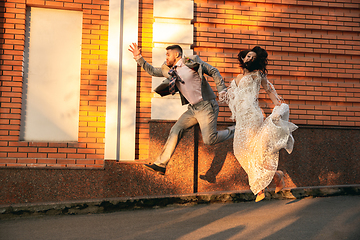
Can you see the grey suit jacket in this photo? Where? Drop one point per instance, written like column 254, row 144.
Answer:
column 193, row 62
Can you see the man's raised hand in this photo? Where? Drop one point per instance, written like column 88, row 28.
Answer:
column 135, row 50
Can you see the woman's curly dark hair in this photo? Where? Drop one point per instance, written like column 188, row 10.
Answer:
column 259, row 63
column 242, row 54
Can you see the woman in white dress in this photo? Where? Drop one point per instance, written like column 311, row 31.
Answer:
column 257, row 141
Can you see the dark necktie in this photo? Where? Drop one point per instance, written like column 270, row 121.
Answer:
column 174, row 77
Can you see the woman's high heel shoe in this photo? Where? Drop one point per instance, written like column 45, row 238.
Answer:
column 260, row 196
column 280, row 183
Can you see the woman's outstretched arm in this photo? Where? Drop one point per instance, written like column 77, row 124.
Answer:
column 269, row 88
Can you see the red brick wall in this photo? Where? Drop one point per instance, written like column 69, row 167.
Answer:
column 89, row 150
column 314, row 52
column 144, row 80
column 313, row 46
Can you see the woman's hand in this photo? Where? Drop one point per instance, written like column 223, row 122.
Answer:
column 276, row 118
column 223, row 96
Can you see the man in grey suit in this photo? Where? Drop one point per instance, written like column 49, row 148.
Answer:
column 186, row 76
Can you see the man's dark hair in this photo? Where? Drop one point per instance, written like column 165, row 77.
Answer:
column 177, row 48
column 259, row 63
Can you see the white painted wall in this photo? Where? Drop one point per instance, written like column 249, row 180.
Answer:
column 122, row 69
column 172, row 26
column 173, row 9
column 122, row 81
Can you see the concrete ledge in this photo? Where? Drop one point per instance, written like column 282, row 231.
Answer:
column 120, row 204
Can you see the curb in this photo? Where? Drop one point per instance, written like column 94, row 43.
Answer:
column 107, row 205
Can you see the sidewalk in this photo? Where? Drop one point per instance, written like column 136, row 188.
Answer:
column 322, row 218
column 119, row 204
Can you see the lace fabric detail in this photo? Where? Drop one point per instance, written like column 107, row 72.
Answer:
column 257, row 141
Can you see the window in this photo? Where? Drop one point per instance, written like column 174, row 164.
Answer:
column 52, row 64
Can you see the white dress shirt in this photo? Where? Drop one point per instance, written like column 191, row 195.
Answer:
column 191, row 88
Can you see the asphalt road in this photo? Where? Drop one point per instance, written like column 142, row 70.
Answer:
column 312, row 218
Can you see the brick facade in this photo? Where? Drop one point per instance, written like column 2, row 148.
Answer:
column 314, row 53
column 313, row 46
column 144, row 80
column 89, row 150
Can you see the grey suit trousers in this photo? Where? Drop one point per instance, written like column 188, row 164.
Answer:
column 205, row 113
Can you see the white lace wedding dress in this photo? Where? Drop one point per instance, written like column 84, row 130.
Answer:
column 257, row 141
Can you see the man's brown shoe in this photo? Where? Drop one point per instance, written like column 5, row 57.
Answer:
column 155, row 168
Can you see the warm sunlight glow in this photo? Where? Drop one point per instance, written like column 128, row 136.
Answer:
column 242, row 228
